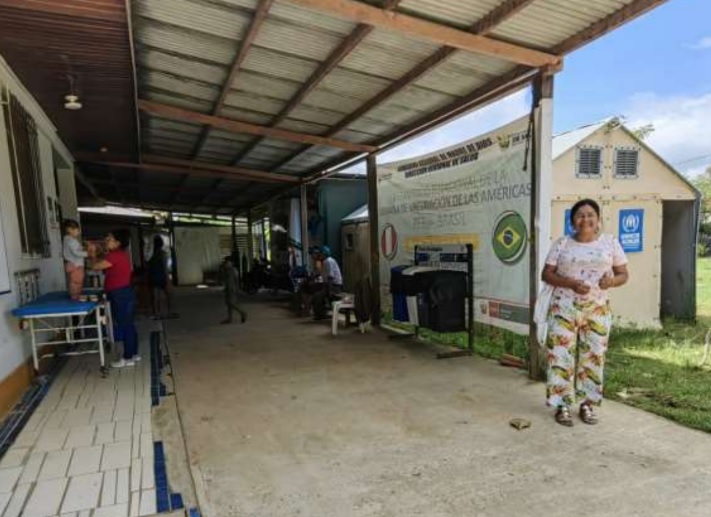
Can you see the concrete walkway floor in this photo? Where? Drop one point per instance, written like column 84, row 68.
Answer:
column 282, row 419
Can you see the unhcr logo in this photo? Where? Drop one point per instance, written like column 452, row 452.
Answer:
column 510, row 237
column 631, row 223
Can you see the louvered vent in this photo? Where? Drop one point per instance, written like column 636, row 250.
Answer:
column 626, row 163
column 589, row 162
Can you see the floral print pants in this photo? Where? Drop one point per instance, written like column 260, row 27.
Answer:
column 578, row 333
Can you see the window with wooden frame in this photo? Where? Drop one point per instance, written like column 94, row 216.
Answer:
column 23, row 148
column 588, row 161
column 626, row 162
column 350, row 241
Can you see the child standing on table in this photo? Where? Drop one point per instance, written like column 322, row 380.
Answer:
column 116, row 265
column 74, row 255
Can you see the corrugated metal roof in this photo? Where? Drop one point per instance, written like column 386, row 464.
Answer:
column 457, row 13
column 296, row 40
column 211, row 18
column 293, row 15
column 356, row 216
column 278, row 65
column 546, row 23
column 183, row 42
column 565, row 141
column 176, row 65
column 387, row 55
column 185, row 49
column 254, row 102
column 453, row 80
column 179, row 85
column 283, row 89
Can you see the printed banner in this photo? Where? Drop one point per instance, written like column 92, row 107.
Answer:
column 476, row 192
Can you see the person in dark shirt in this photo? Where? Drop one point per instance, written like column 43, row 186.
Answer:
column 159, row 279
column 231, row 282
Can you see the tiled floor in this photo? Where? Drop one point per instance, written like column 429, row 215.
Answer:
column 87, row 451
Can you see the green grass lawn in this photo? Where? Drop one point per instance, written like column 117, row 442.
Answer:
column 659, row 371
column 655, row 370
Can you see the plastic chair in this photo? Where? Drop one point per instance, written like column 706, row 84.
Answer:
column 347, row 305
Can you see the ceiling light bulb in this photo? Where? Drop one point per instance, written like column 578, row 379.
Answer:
column 72, row 102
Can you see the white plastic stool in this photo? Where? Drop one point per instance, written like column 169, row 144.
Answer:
column 344, row 304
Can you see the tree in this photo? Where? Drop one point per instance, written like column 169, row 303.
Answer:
column 642, row 132
column 703, row 183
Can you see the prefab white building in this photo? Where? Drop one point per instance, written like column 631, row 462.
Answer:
column 650, row 206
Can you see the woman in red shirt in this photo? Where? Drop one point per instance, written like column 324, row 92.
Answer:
column 117, row 284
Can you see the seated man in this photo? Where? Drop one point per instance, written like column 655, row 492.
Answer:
column 333, row 283
column 311, row 284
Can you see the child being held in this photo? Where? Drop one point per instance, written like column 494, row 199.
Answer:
column 74, row 255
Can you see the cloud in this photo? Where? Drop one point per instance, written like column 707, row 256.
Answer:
column 702, row 44
column 682, row 133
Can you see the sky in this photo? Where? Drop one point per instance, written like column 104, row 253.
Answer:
column 655, row 69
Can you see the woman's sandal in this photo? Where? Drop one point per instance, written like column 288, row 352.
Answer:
column 562, row 416
column 587, row 415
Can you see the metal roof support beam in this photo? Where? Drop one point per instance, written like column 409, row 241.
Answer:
column 235, row 126
column 200, row 169
column 260, row 14
column 508, row 83
column 518, row 78
column 249, row 174
column 498, row 15
column 434, row 32
column 331, row 62
column 483, row 26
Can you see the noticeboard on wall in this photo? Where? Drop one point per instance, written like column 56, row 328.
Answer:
column 632, row 230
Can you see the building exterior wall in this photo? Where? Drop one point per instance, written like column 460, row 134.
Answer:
column 336, row 200
column 655, row 177
column 14, row 344
column 197, row 253
column 637, row 303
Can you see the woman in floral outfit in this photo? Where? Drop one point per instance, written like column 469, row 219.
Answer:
column 582, row 269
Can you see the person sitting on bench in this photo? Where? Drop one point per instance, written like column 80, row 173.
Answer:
column 333, row 282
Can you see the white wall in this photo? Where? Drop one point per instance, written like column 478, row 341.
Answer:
column 197, row 251
column 14, row 345
column 68, row 194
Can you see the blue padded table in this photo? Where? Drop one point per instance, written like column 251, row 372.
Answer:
column 77, row 315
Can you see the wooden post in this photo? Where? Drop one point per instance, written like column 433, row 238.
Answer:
column 304, row 228
column 250, row 240
column 374, row 237
column 540, row 217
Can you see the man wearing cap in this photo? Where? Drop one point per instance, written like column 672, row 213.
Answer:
column 333, row 281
